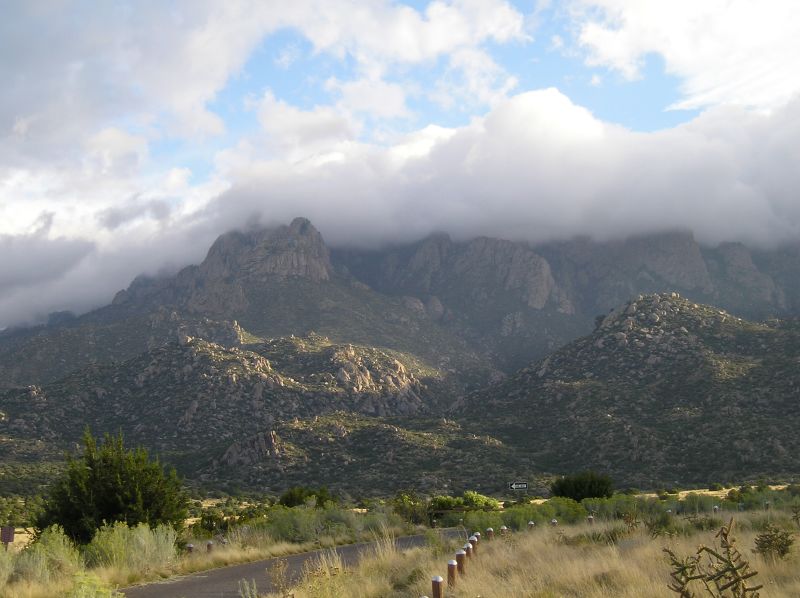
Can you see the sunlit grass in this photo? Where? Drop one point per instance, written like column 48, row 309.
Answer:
column 548, row 563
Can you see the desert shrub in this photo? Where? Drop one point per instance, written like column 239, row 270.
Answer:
column 774, row 543
column 567, row 510
column 478, row 521
column 339, row 522
column 410, row 507
column 473, row 500
column 450, row 510
column 617, row 505
column 704, row 523
column 663, row 524
column 378, row 519
column 716, row 486
column 442, row 502
column 300, row 495
column 608, row 536
column 298, row 524
column 587, row 484
column 517, row 517
column 52, row 557
column 698, row 503
column 212, row 521
column 18, row 511
column 138, row 548
column 109, row 483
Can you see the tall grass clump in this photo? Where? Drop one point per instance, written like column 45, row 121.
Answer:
column 138, row 548
column 6, row 567
column 324, row 577
column 50, row 559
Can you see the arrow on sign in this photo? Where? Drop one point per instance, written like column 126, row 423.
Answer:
column 518, row 485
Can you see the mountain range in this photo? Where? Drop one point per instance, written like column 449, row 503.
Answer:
column 435, row 365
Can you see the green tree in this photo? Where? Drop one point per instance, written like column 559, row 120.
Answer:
column 108, row 484
column 586, row 484
column 410, row 507
column 299, row 495
column 473, row 500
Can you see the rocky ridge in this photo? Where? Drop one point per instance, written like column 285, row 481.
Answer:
column 202, row 403
column 663, row 389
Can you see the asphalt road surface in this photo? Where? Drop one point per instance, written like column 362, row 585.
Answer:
column 224, row 582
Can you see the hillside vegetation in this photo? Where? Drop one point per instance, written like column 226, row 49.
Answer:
column 664, row 389
column 279, row 361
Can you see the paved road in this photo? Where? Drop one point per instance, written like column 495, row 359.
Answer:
column 224, row 582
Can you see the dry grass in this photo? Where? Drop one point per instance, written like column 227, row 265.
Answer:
column 548, row 563
column 238, row 550
column 234, row 553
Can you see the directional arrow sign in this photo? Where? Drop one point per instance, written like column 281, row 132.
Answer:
column 518, row 485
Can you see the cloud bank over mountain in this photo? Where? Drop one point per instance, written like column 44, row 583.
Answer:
column 132, row 138
column 537, row 167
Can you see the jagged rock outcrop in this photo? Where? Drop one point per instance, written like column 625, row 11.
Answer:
column 438, row 266
column 254, row 449
column 286, row 251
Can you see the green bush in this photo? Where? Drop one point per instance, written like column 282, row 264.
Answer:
column 212, row 521
column 473, row 500
column 108, row 484
column 442, row 502
column 478, row 521
column 567, row 510
column 699, row 503
column 297, row 524
column 410, row 507
column 587, row 484
column 517, row 517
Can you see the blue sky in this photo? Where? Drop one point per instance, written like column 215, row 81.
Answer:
column 139, row 132
column 286, row 63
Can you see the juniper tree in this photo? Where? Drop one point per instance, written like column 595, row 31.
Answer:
column 110, row 483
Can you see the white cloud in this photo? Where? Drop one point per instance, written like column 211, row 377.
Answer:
column 81, row 118
column 113, row 150
column 539, row 167
column 374, row 97
column 535, row 167
column 294, row 131
column 723, row 51
column 472, row 79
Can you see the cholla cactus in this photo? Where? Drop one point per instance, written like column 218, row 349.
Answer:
column 722, row 572
column 796, row 515
column 774, row 543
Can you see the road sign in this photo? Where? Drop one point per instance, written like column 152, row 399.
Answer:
column 7, row 535
column 518, row 485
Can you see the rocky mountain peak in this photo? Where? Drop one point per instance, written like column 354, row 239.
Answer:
column 297, row 250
